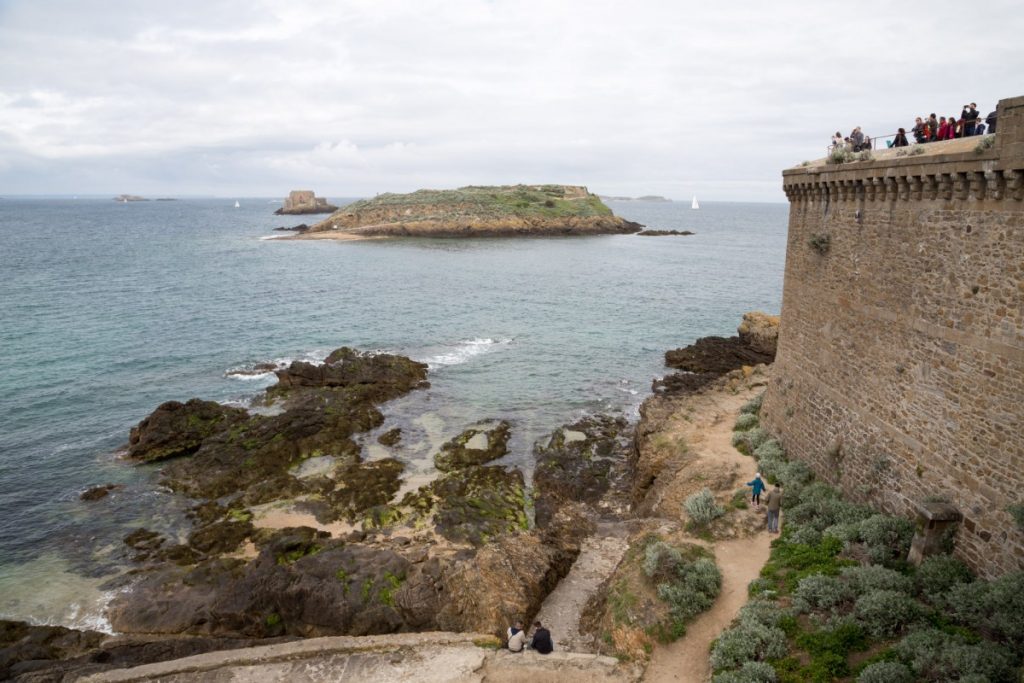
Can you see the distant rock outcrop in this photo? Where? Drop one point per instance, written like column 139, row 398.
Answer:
column 304, row 201
column 129, row 198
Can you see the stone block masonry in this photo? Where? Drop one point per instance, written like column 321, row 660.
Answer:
column 900, row 367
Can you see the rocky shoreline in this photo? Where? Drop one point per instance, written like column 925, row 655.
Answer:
column 456, row 554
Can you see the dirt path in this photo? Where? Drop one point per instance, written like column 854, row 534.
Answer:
column 708, row 431
column 686, row 660
column 598, row 557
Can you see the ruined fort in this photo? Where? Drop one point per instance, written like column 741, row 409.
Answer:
column 900, row 368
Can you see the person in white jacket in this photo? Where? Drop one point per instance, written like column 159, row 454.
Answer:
column 516, row 637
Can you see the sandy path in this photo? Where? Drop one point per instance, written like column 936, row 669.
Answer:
column 561, row 610
column 686, row 660
column 740, row 560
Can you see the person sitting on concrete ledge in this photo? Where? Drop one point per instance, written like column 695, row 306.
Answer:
column 516, row 637
column 541, row 639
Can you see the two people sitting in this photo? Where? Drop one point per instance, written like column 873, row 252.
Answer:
column 518, row 640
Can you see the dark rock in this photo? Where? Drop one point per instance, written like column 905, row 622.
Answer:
column 301, row 227
column 576, row 463
column 390, row 375
column 682, row 382
column 22, row 643
column 474, row 504
column 717, row 355
column 363, row 486
column 456, row 453
column 177, row 429
column 97, row 492
column 220, row 537
column 145, row 543
column 663, row 233
column 390, row 437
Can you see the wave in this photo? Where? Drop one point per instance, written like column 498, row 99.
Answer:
column 272, row 237
column 464, row 351
column 260, row 370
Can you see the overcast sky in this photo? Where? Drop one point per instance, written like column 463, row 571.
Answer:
column 254, row 98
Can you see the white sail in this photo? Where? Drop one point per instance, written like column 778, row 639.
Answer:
column 237, row 205
column 694, row 204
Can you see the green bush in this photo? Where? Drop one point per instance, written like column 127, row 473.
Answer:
column 770, row 449
column 819, row 593
column 746, row 642
column 750, row 672
column 661, row 561
column 795, row 475
column 887, row 538
column 847, row 533
column 702, row 508
column 747, row 442
column 866, row 579
column 994, row 608
column 938, row 656
column 821, row 507
column 764, row 612
column 939, row 573
column 694, row 590
column 1017, row 512
column 761, row 587
column 805, row 535
column 753, row 406
column 885, row 613
column 886, row 672
column 830, row 648
column 745, row 421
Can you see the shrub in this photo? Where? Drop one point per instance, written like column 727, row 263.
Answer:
column 747, row 442
column 739, row 499
column 753, row 406
column 764, row 612
column 938, row 656
column 820, row 243
column 985, row 143
column 796, row 475
column 937, row 574
column 694, row 590
column 887, row 538
column 886, row 672
column 805, row 535
column 866, row 579
column 770, row 449
column 994, row 607
column 884, row 613
column 829, row 649
column 661, row 561
column 761, row 587
column 820, row 593
column 702, row 508
column 839, row 155
column 847, row 533
column 821, row 507
column 745, row 421
column 750, row 672
column 747, row 642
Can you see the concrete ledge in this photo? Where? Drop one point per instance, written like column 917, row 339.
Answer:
column 438, row 657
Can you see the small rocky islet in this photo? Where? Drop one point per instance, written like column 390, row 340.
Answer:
column 474, row 211
column 459, row 553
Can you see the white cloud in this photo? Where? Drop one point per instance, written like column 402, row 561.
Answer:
column 367, row 96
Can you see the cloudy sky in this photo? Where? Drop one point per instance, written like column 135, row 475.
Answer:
column 351, row 98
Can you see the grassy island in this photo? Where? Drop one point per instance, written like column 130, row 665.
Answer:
column 475, row 211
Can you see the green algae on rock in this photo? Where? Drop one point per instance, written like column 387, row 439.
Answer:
column 474, row 446
column 475, row 211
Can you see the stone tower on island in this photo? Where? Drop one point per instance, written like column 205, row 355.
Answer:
column 900, row 368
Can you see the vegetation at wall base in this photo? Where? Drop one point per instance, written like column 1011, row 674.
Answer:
column 836, row 601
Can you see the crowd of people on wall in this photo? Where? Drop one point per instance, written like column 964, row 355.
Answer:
column 925, row 129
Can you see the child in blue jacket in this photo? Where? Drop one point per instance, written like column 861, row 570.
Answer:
column 758, row 486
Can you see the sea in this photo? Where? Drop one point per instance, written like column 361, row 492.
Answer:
column 109, row 309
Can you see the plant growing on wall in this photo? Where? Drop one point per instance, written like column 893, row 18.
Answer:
column 820, row 243
column 985, row 143
column 1017, row 512
column 839, row 155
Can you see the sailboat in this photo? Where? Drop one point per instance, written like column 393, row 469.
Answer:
column 694, row 204
column 237, row 205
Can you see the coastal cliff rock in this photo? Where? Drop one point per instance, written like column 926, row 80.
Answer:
column 301, row 202
column 711, row 357
column 176, row 429
column 474, row 212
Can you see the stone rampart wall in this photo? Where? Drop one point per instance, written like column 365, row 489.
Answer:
column 900, row 366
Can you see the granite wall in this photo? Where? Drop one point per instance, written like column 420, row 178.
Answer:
column 900, row 366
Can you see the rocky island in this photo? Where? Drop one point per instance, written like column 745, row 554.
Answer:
column 475, row 211
column 301, row 202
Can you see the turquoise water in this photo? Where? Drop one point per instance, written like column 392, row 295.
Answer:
column 110, row 309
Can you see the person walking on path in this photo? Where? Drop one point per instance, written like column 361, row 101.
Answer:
column 541, row 639
column 758, row 486
column 516, row 637
column 774, row 503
